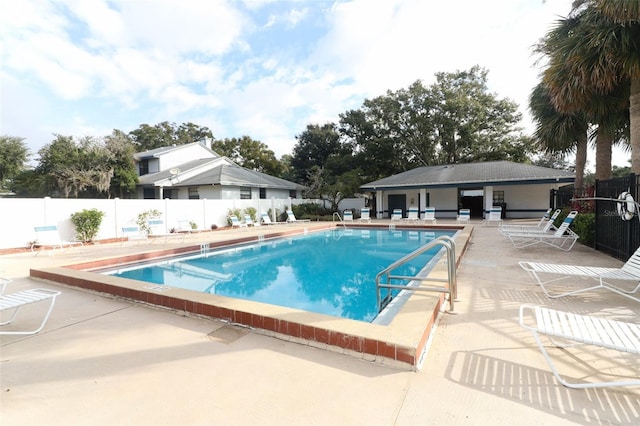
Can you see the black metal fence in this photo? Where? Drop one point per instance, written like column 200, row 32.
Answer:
column 614, row 236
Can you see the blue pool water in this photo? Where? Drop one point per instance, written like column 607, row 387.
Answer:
column 330, row 272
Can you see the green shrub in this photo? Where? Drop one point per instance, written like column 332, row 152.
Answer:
column 251, row 211
column 87, row 224
column 584, row 225
column 310, row 211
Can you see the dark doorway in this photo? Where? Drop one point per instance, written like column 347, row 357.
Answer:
column 472, row 199
column 398, row 201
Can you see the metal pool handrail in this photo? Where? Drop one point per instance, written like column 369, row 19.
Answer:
column 449, row 244
column 344, row 225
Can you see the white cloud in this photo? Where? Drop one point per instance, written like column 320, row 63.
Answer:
column 262, row 68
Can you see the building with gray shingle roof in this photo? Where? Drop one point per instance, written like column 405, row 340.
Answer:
column 523, row 190
column 194, row 171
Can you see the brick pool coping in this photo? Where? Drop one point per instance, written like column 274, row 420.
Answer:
column 401, row 343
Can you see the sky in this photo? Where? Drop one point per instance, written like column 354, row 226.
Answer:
column 261, row 68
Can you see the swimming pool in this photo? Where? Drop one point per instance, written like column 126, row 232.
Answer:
column 330, row 272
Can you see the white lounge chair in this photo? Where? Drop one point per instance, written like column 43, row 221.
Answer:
column 249, row 220
column 48, row 236
column 545, row 225
column 397, row 214
column 365, row 215
column 604, row 333
column 291, row 218
column 430, row 215
column 3, row 284
column 158, row 229
column 630, row 271
column 187, row 227
column 236, row 223
column 413, row 215
column 133, row 233
column 464, row 216
column 494, row 216
column 266, row 220
column 15, row 301
column 563, row 238
column 347, row 216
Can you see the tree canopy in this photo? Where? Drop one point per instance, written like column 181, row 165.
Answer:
column 13, row 157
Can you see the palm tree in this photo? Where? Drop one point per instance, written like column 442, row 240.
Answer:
column 599, row 56
column 557, row 132
column 574, row 87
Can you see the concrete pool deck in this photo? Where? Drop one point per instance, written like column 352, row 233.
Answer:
column 104, row 360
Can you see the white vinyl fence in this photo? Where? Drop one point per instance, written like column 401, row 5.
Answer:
column 19, row 216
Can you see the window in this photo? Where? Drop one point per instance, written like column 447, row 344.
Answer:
column 144, row 167
column 245, row 193
column 292, row 193
column 193, row 193
column 148, row 193
column 263, row 193
column 498, row 197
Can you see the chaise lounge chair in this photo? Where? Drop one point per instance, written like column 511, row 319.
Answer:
column 544, row 225
column 133, row 233
column 413, row 215
column 248, row 220
column 15, row 301
column 599, row 332
column 563, row 238
column 430, row 215
column 347, row 216
column 291, row 218
column 464, row 216
column 397, row 214
column 235, row 222
column 630, row 271
column 157, row 229
column 365, row 215
column 495, row 216
column 48, row 236
column 266, row 220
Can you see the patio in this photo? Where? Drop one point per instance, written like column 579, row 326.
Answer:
column 104, row 360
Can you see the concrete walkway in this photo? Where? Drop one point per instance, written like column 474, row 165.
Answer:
column 106, row 361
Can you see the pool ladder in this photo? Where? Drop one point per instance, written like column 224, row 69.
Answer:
column 452, row 289
column 344, row 225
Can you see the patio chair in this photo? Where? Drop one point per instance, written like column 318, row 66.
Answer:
column 413, row 215
column 397, row 214
column 347, row 216
column 133, row 233
column 495, row 216
column 581, row 329
column 545, row 224
column 3, row 284
column 157, row 230
column 14, row 301
column 291, row 218
column 630, row 271
column 187, row 227
column 430, row 215
column 266, row 220
column 235, row 222
column 464, row 216
column 48, row 236
column 563, row 238
column 248, row 220
column 365, row 215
